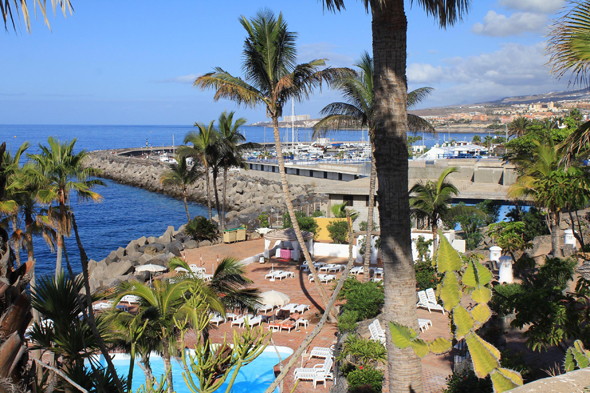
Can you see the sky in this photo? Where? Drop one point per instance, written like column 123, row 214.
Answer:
column 134, row 61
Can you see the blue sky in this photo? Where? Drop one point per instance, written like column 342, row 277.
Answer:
column 133, row 62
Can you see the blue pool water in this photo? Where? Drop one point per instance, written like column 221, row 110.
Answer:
column 255, row 377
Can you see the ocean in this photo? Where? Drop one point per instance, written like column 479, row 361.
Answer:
column 127, row 213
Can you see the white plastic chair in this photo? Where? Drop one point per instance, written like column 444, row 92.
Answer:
column 424, row 303
column 321, row 352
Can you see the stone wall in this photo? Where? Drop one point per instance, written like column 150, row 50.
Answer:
column 247, row 196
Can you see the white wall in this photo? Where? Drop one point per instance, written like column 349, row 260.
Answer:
column 450, row 235
column 333, row 250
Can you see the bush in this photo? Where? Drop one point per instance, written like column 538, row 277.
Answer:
column 318, row 213
column 199, row 228
column 467, row 382
column 363, row 352
column 263, row 219
column 366, row 377
column 347, row 321
column 366, row 299
column 307, row 224
column 423, row 247
column 426, row 276
column 502, row 298
column 338, row 231
column 363, row 226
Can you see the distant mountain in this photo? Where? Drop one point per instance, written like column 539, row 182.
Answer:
column 547, row 97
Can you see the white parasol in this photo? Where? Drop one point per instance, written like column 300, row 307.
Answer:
column 150, row 268
column 274, row 298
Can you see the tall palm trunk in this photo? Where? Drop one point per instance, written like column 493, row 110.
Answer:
column 144, row 364
column 224, row 191
column 217, row 206
column 60, row 227
column 16, row 242
column 59, row 251
column 285, row 184
column 207, row 188
column 167, row 365
column 555, row 219
column 31, row 258
column 434, row 226
column 391, row 159
column 185, row 204
column 368, row 238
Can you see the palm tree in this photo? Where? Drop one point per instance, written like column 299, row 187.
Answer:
column 432, row 200
column 60, row 171
column 180, row 175
column 549, row 184
column 519, row 126
column 8, row 12
column 358, row 92
column 163, row 304
column 230, row 139
column 476, row 139
column 389, row 30
column 272, row 78
column 203, row 142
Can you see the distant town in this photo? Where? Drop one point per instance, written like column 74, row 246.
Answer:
column 488, row 115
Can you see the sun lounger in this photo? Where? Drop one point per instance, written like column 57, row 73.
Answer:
column 217, row 319
column 424, row 324
column 377, row 333
column 332, row 267
column 431, row 296
column 271, row 274
column 424, row 303
column 264, row 308
column 274, row 326
column 321, row 352
column 319, row 373
column 301, row 308
column 288, row 325
column 283, row 275
column 323, row 278
column 289, row 307
column 131, row 299
column 357, row 270
column 250, row 319
column 232, row 316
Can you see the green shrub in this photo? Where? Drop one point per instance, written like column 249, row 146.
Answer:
column 318, row 213
column 347, row 321
column 502, row 299
column 363, row 226
column 467, row 382
column 199, row 228
column 426, row 276
column 365, row 377
column 362, row 352
column 350, row 283
column 263, row 219
column 338, row 231
column 366, row 299
column 307, row 224
column 423, row 247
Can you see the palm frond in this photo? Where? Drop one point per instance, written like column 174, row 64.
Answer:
column 416, row 123
column 230, row 87
column 416, row 96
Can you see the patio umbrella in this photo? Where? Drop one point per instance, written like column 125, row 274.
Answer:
column 274, row 298
column 151, row 268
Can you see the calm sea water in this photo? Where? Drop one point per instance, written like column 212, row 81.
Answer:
column 127, row 213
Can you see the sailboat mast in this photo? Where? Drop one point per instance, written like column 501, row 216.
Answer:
column 293, row 124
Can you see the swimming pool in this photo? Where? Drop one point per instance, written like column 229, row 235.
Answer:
column 253, row 378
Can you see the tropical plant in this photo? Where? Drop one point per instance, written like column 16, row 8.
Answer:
column 426, row 276
column 229, row 141
column 203, row 149
column 470, row 225
column 60, row 171
column 339, row 211
column 272, row 78
column 357, row 90
column 362, row 352
column 263, row 219
column 491, row 208
column 432, row 200
column 307, row 224
column 466, row 381
column 510, row 237
column 518, row 126
column 474, row 280
column 476, row 139
column 338, row 230
column 199, row 228
column 365, row 379
column 364, row 298
column 180, row 175
column 8, row 10
column 164, row 304
column 550, row 185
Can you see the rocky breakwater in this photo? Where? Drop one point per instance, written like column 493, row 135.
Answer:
column 247, row 196
column 120, row 264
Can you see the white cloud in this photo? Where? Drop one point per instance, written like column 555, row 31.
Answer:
column 539, row 6
column 499, row 25
column 187, row 79
column 515, row 69
column 324, row 50
column 424, row 73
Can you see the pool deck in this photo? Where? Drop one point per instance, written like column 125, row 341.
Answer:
column 301, row 291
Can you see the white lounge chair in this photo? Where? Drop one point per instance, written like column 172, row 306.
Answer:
column 301, row 308
column 377, row 333
column 271, row 274
column 217, row 319
column 321, row 352
column 283, row 274
column 289, row 307
column 425, row 303
column 431, row 296
column 319, row 372
column 252, row 320
column 424, row 324
column 357, row 270
column 131, row 299
column 323, row 278
column 264, row 308
column 332, row 267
